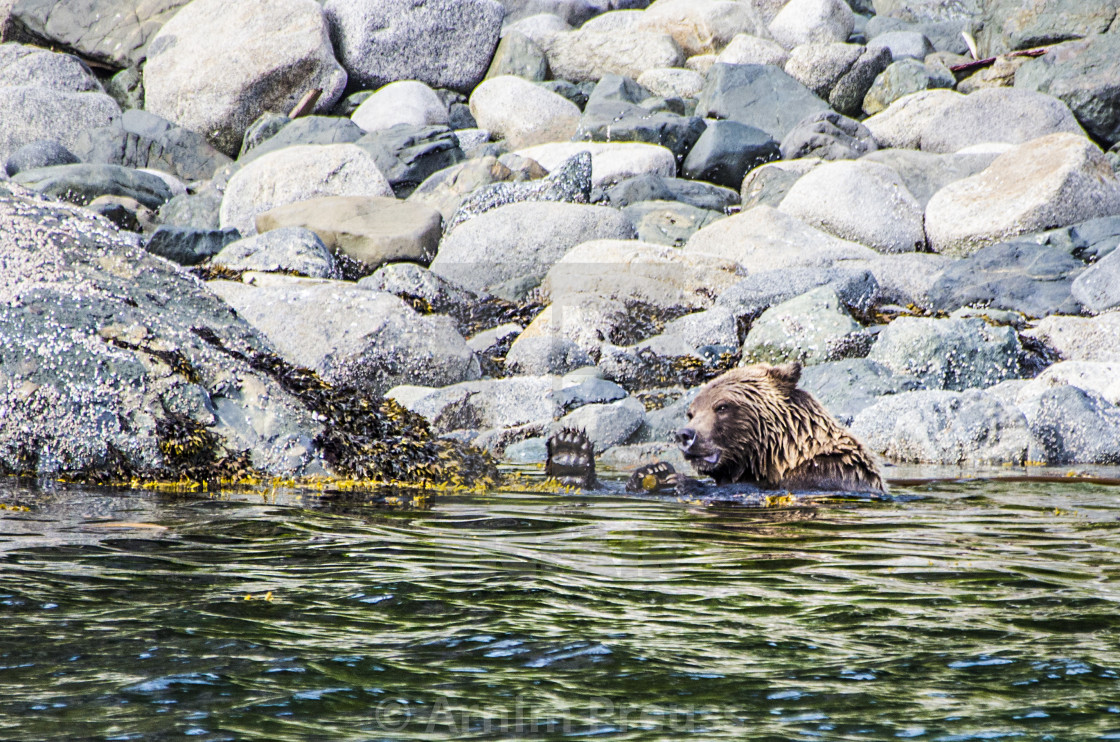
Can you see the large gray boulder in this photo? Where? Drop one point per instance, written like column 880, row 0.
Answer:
column 757, row 95
column 113, row 32
column 855, row 287
column 80, row 183
column 1075, row 426
column 1053, row 181
column 954, row 354
column 1082, row 74
column 1007, row 25
column 812, row 328
column 291, row 250
column 508, row 250
column 29, row 113
column 848, row 387
column 351, row 336
column 217, row 66
column 445, row 45
column 942, row 427
column 522, row 113
column 106, row 358
column 864, row 202
column 587, row 55
column 1081, row 338
column 1012, row 115
column 299, row 174
column 29, row 65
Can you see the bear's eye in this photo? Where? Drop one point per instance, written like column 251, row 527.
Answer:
column 688, row 414
column 724, row 407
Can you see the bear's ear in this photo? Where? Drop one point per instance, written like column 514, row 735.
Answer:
column 785, row 376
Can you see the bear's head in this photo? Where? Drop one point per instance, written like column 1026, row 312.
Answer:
column 740, row 424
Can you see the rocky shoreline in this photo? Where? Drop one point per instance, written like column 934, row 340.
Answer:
column 370, row 238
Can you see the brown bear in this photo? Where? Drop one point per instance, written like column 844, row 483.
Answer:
column 752, row 425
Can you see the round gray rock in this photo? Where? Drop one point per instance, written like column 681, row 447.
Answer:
column 289, row 250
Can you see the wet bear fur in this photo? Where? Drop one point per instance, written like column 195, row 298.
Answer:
column 752, row 425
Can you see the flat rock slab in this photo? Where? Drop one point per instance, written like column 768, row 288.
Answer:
column 114, row 32
column 366, row 339
column 369, row 229
column 81, row 183
column 1054, row 181
column 216, row 66
column 445, row 45
column 297, row 174
column 1026, row 277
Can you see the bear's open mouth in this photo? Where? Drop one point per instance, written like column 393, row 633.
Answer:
column 703, row 461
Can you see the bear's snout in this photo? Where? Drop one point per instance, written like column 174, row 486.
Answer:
column 686, row 438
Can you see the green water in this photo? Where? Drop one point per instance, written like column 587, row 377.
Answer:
column 973, row 611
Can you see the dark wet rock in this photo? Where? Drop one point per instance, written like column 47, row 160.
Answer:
column 290, row 250
column 953, row 354
column 459, row 117
column 200, row 211
column 1021, row 276
column 614, row 113
column 143, row 140
column 44, row 153
column 768, row 185
column 652, row 187
column 408, row 280
column 849, row 92
column 81, row 183
column 216, row 66
column 105, row 361
column 570, row 183
column 127, row 213
column 1094, row 239
column 1075, row 426
column 902, row 78
column 446, row 45
column 943, row 427
column 944, row 35
column 668, row 222
column 757, row 95
column 926, row 173
column 305, row 130
column 30, row 114
column 30, row 65
column 112, row 32
column 1083, row 74
column 518, row 55
column 127, row 88
column 1007, row 25
column 1098, row 288
column 829, row 136
column 812, row 328
column 491, row 347
column 848, row 387
column 546, row 355
column 508, row 250
column 368, row 340
column 728, row 150
column 407, row 154
column 577, row 93
column 367, row 230
column 188, row 245
column 266, row 126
